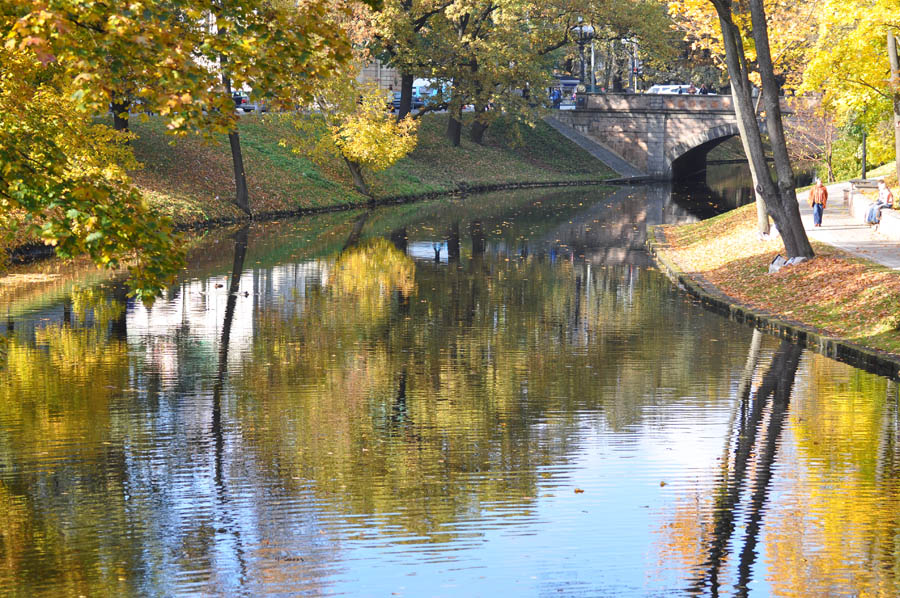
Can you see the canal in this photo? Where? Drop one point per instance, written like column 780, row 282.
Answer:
column 464, row 397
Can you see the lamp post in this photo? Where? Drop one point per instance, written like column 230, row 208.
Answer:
column 633, row 59
column 583, row 36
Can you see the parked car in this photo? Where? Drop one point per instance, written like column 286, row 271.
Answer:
column 243, row 102
column 240, row 99
column 255, row 106
column 679, row 88
column 417, row 102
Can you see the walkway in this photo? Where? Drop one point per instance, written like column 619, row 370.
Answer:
column 606, row 156
column 841, row 230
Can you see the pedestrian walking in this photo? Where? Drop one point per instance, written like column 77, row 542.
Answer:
column 818, row 197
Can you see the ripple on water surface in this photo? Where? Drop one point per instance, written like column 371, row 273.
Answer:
column 533, row 413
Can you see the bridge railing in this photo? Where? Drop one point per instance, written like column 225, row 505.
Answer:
column 652, row 102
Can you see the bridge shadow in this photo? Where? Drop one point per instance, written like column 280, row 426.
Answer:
column 692, row 164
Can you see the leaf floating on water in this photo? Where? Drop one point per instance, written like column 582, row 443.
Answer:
column 579, row 491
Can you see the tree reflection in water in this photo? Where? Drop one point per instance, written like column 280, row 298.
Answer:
column 756, row 437
column 360, row 405
column 217, row 432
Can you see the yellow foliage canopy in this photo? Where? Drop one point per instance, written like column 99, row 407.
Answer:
column 369, row 135
column 63, row 177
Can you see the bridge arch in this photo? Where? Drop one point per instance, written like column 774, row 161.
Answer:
column 648, row 132
column 688, row 155
column 692, row 142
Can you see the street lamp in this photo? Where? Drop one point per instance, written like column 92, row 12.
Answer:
column 583, row 36
column 635, row 65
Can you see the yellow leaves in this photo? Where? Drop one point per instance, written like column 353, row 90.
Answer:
column 368, row 273
column 370, row 135
column 82, row 192
column 79, row 195
column 175, row 123
column 352, row 121
column 832, row 292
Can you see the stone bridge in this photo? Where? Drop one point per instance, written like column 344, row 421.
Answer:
column 657, row 135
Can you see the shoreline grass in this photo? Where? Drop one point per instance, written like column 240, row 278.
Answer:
column 191, row 179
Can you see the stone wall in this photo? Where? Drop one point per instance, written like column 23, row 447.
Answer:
column 651, row 130
column 387, row 78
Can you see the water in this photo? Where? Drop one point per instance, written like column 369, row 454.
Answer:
column 457, row 398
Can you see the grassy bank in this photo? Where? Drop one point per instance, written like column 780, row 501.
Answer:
column 836, row 294
column 192, row 179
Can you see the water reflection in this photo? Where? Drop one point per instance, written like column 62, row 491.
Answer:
column 321, row 407
column 723, row 185
column 754, row 446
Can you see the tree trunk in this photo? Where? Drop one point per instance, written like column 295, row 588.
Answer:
column 784, row 371
column 399, row 239
column 454, row 123
column 241, row 198
column 895, row 97
column 796, row 242
column 453, row 248
column 865, row 157
column 358, row 180
column 780, row 199
column 240, row 251
column 356, row 231
column 406, row 89
column 119, row 326
column 610, row 65
column 478, row 241
column 762, row 214
column 828, row 160
column 120, row 114
column 479, row 125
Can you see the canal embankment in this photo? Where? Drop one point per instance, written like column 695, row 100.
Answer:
column 192, row 180
column 842, row 303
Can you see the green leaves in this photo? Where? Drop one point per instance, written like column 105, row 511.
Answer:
column 63, row 62
column 66, row 176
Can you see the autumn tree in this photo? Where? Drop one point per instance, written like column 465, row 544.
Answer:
column 749, row 59
column 779, row 193
column 180, row 59
column 350, row 121
column 811, row 135
column 853, row 63
column 495, row 55
column 64, row 60
column 63, row 179
column 644, row 22
column 400, row 37
column 789, row 38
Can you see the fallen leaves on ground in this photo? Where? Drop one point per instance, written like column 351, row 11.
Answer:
column 836, row 292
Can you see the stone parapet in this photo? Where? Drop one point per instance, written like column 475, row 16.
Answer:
column 858, row 205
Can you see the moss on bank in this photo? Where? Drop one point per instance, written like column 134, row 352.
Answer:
column 191, row 179
column 835, row 294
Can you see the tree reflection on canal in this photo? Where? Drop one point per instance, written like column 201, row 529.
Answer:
column 405, row 401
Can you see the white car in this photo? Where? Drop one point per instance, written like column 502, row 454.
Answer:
column 669, row 88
